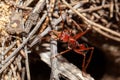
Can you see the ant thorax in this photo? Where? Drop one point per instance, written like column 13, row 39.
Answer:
column 64, row 36
column 72, row 43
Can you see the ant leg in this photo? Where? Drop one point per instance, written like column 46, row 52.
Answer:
column 79, row 51
column 84, row 58
column 77, row 36
column 83, row 64
column 62, row 53
column 78, row 27
column 88, row 61
column 85, row 49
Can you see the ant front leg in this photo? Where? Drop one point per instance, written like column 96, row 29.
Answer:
column 63, row 52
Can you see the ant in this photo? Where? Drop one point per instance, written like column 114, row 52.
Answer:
column 66, row 37
column 73, row 44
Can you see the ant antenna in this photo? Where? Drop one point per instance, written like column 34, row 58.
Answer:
column 61, row 17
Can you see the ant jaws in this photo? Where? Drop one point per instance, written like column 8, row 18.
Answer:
column 53, row 57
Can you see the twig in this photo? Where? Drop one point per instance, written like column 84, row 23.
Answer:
column 111, row 8
column 2, row 52
column 75, row 3
column 23, row 74
column 50, row 9
column 13, row 71
column 9, row 74
column 39, row 6
column 18, row 62
column 103, row 2
column 27, row 64
column 18, row 75
column 99, row 17
column 21, row 51
column 75, row 7
column 94, row 9
column 117, row 10
column 39, row 36
column 54, row 62
column 19, row 6
column 53, row 45
column 34, row 15
column 28, row 2
column 44, row 25
column 107, row 35
column 32, row 20
column 57, row 21
column 12, row 55
column 26, row 40
column 6, row 65
column 65, row 68
column 9, row 48
column 70, row 69
column 92, row 23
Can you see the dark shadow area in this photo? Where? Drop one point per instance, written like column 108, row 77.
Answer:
column 38, row 69
column 97, row 66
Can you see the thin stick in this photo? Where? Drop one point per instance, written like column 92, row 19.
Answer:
column 9, row 48
column 54, row 62
column 95, row 8
column 27, row 64
column 26, row 40
column 107, row 35
column 39, row 6
column 111, row 8
column 21, row 51
column 6, row 65
column 13, row 71
column 44, row 25
column 28, row 2
column 23, row 73
column 65, row 68
column 51, row 9
column 90, row 22
column 39, row 36
column 19, row 6
column 34, row 16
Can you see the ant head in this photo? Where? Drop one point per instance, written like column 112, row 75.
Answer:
column 64, row 36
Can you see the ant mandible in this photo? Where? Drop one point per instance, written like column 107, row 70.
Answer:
column 73, row 44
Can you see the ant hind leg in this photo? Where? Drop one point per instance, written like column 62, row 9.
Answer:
column 90, row 57
column 83, row 63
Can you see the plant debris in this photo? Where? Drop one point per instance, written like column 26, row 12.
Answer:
column 28, row 25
